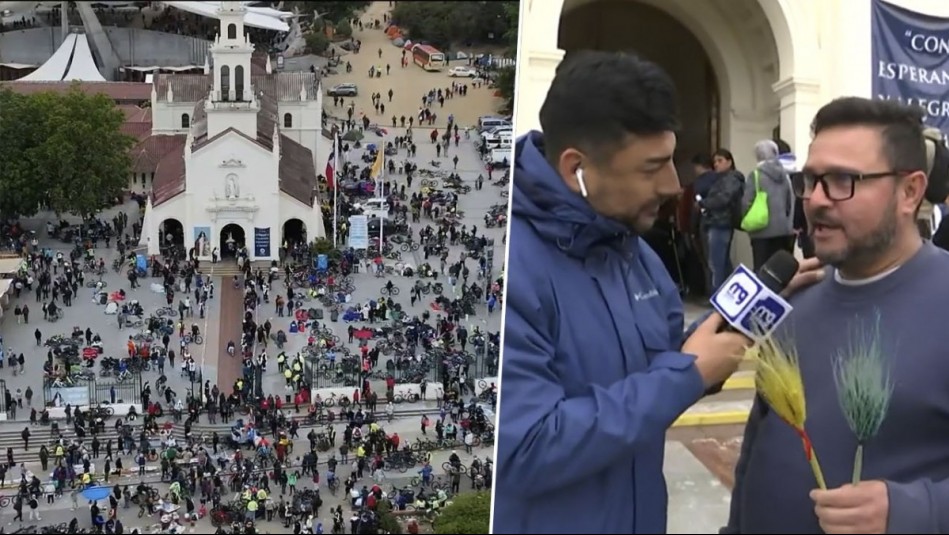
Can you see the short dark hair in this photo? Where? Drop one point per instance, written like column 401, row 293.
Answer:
column 599, row 98
column 783, row 147
column 901, row 127
column 702, row 159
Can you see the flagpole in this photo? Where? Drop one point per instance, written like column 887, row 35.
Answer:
column 336, row 165
column 382, row 170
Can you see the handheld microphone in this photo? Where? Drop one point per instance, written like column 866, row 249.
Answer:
column 752, row 305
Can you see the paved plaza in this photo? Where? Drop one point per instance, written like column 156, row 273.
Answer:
column 408, row 430
column 84, row 313
column 368, row 286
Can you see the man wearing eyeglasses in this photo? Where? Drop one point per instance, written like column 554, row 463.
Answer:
column 862, row 184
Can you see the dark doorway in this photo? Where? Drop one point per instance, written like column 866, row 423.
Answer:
column 172, row 234
column 659, row 37
column 294, row 232
column 233, row 240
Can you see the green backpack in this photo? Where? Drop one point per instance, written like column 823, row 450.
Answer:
column 756, row 218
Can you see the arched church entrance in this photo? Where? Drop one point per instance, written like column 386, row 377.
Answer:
column 172, row 234
column 232, row 239
column 722, row 57
column 294, row 233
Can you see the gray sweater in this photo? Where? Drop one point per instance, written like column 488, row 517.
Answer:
column 773, row 179
column 911, row 451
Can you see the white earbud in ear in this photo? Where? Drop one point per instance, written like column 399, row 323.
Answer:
column 581, row 183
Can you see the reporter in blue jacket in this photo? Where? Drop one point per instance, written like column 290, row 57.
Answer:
column 594, row 370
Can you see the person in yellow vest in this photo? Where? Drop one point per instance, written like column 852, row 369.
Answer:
column 288, row 375
column 251, row 510
column 261, row 495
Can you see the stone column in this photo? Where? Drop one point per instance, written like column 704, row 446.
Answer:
column 534, row 78
column 800, row 100
column 539, row 56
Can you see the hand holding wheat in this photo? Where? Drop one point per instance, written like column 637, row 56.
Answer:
column 778, row 381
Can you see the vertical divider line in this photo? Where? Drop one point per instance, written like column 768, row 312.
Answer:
column 523, row 10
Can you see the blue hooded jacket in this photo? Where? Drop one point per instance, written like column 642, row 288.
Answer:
column 591, row 373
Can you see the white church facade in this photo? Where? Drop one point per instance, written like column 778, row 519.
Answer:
column 243, row 168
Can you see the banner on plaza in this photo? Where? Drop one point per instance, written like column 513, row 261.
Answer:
column 77, row 396
column 262, row 241
column 359, row 232
column 910, row 54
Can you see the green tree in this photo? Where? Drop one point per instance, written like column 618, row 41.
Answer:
column 344, row 29
column 505, row 86
column 445, row 23
column 317, row 41
column 468, row 513
column 23, row 132
column 506, row 77
column 511, row 16
column 388, row 523
column 87, row 152
column 63, row 150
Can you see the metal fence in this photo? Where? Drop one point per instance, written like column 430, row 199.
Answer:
column 486, row 362
column 339, row 376
column 109, row 390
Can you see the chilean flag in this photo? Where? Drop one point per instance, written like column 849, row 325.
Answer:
column 330, row 171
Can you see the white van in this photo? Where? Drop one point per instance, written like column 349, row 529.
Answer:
column 504, row 140
column 488, row 122
column 375, row 208
column 501, row 157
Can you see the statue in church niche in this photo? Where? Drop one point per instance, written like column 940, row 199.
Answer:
column 231, row 189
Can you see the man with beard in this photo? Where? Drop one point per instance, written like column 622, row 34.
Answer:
column 885, row 294
column 594, row 368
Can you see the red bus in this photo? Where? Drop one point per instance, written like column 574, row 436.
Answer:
column 428, row 57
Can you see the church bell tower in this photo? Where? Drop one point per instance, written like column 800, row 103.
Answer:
column 232, row 102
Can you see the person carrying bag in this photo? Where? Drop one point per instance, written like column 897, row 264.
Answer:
column 768, row 204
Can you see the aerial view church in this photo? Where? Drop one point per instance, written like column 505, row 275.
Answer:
column 239, row 166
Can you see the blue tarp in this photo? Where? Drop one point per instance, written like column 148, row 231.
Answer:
column 94, row 494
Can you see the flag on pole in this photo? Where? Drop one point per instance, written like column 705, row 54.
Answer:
column 331, row 167
column 376, row 171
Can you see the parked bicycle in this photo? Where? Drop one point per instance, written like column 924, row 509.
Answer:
column 190, row 339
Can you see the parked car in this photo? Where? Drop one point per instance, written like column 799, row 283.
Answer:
column 462, row 72
column 343, row 90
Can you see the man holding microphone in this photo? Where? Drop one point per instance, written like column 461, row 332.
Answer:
column 594, row 368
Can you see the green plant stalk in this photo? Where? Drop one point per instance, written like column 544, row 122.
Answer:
column 858, row 464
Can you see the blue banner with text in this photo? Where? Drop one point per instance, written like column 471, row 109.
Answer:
column 262, row 242
column 910, row 54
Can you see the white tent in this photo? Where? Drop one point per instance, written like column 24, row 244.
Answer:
column 83, row 67
column 71, row 61
column 55, row 67
column 255, row 17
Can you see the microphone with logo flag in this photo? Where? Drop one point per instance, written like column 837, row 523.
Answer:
column 745, row 300
column 752, row 305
